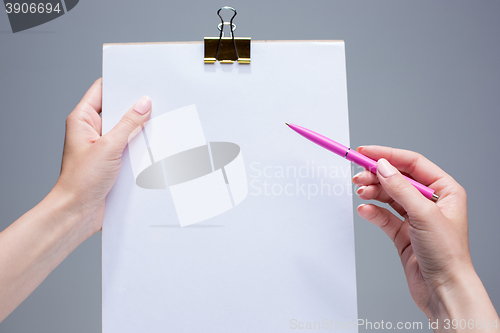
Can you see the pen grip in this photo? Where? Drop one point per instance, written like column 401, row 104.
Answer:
column 371, row 165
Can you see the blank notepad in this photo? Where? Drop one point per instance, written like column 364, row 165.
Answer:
column 223, row 219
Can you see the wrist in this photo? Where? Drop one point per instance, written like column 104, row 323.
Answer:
column 462, row 300
column 69, row 216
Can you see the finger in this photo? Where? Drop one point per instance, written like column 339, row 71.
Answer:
column 403, row 192
column 377, row 192
column 396, row 229
column 365, row 178
column 129, row 125
column 416, row 165
column 423, row 171
column 85, row 119
column 92, row 100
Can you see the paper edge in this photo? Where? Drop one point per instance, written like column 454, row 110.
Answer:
column 253, row 41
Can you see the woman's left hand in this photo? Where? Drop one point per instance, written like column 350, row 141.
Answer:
column 91, row 162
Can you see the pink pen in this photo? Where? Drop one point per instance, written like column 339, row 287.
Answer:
column 354, row 156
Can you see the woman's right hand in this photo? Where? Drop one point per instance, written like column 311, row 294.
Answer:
column 431, row 238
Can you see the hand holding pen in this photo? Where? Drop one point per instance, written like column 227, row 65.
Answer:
column 431, row 237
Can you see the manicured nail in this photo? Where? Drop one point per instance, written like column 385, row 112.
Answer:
column 360, row 206
column 143, row 106
column 360, row 190
column 355, row 178
column 385, row 168
column 359, row 148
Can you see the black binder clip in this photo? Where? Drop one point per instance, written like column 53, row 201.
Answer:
column 227, row 50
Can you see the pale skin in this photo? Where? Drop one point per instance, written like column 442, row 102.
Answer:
column 431, row 238
column 32, row 246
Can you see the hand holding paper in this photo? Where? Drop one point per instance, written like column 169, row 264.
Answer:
column 90, row 162
column 38, row 241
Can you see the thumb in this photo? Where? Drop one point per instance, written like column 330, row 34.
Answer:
column 130, row 124
column 403, row 192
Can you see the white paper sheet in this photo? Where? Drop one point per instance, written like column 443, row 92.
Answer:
column 223, row 219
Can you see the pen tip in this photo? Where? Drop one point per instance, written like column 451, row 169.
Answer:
column 287, row 124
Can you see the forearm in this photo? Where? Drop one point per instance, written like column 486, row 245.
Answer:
column 35, row 244
column 464, row 306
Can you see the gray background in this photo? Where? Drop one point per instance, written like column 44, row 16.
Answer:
column 421, row 75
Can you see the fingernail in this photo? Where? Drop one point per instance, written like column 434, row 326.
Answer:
column 360, row 206
column 360, row 190
column 359, row 148
column 143, row 106
column 358, row 174
column 385, row 168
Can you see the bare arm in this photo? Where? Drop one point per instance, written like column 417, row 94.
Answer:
column 431, row 238
column 32, row 246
